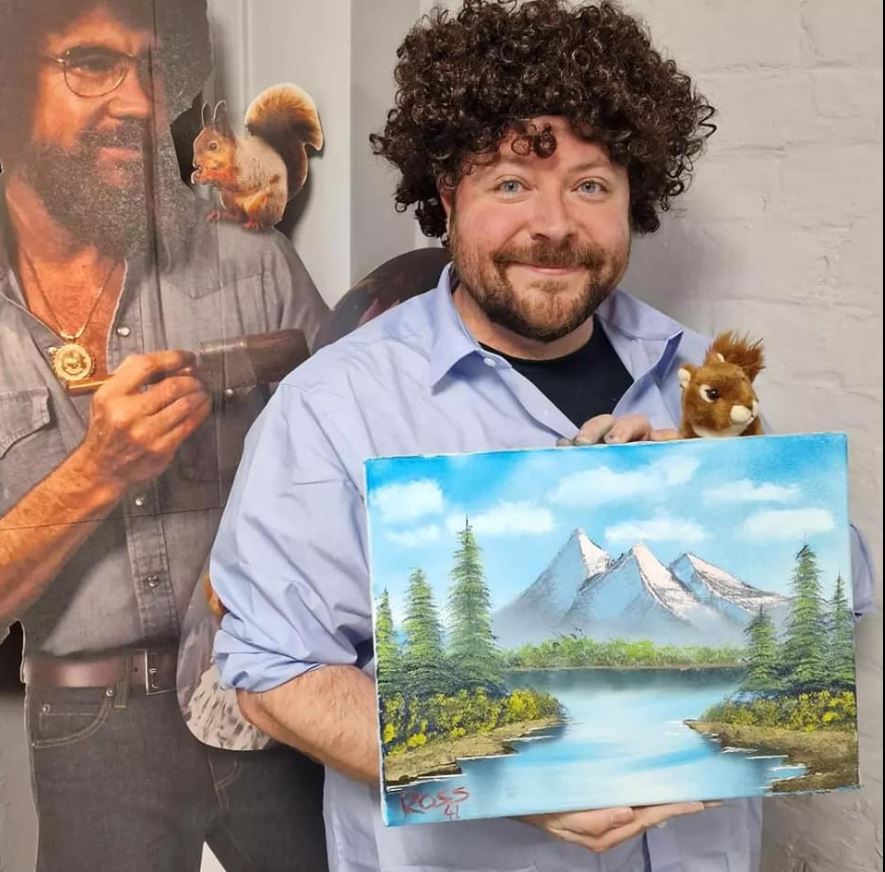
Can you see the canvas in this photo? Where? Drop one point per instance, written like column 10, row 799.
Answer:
column 577, row 628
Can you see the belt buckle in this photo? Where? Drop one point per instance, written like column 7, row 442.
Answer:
column 150, row 674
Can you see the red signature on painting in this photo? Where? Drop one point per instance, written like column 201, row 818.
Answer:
column 415, row 802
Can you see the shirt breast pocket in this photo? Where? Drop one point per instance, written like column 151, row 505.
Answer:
column 213, row 453
column 30, row 446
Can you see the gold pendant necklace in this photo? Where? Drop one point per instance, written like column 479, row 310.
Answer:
column 71, row 362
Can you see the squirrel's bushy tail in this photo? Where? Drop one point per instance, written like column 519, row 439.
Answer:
column 286, row 118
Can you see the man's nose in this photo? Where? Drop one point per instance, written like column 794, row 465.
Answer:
column 135, row 96
column 551, row 218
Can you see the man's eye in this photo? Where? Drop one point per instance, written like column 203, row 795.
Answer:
column 590, row 187
column 95, row 63
column 510, row 186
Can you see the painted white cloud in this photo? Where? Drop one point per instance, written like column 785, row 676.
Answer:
column 787, row 524
column 746, row 491
column 408, row 501
column 659, row 529
column 506, row 519
column 414, row 538
column 602, row 485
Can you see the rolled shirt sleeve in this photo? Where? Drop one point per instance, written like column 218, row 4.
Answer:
column 289, row 561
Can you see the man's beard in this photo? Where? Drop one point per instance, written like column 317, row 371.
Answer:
column 546, row 312
column 116, row 217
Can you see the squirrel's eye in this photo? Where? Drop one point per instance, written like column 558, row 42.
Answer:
column 213, row 146
column 709, row 394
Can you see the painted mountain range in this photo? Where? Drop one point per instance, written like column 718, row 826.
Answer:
column 587, row 592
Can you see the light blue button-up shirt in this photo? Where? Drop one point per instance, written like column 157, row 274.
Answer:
column 290, row 561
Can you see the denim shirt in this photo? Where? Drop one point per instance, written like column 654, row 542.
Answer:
column 290, row 561
column 131, row 581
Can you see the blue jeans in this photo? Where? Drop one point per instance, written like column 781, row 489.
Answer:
column 121, row 785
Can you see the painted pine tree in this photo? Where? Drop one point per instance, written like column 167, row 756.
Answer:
column 473, row 653
column 804, row 653
column 762, row 655
column 841, row 653
column 423, row 661
column 388, row 658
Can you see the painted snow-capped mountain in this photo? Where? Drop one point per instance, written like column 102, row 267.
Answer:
column 536, row 613
column 732, row 597
column 585, row 591
column 639, row 596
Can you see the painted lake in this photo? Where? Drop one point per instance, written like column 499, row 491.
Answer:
column 624, row 743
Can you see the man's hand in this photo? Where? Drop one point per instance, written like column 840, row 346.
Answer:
column 604, row 829
column 140, row 416
column 615, row 431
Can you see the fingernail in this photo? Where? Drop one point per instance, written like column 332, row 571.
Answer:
column 612, row 437
column 715, row 804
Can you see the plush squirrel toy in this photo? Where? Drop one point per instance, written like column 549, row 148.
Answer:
column 718, row 397
column 258, row 174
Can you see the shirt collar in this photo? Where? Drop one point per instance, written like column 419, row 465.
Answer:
column 452, row 341
column 624, row 318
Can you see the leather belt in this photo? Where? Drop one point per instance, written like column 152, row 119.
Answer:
column 147, row 670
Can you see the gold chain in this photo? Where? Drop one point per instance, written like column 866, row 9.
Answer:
column 68, row 336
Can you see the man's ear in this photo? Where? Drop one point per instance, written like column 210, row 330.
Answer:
column 446, row 195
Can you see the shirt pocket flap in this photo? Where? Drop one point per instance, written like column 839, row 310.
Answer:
column 22, row 413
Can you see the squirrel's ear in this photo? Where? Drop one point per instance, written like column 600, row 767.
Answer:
column 685, row 374
column 220, row 119
column 206, row 117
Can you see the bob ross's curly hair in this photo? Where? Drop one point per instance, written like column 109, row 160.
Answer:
column 466, row 80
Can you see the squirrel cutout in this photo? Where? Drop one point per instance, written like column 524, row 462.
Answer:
column 718, row 398
column 258, row 174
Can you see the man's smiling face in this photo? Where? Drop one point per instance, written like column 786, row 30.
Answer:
column 540, row 242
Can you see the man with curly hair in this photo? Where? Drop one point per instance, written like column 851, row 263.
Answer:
column 537, row 137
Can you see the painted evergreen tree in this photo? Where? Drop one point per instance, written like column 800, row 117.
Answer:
column 804, row 653
column 388, row 658
column 423, row 661
column 473, row 653
column 763, row 655
column 841, row 653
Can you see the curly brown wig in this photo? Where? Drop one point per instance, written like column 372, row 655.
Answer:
column 466, row 80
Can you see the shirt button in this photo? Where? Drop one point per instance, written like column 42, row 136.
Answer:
column 123, row 331
column 490, row 361
column 152, row 581
column 140, row 500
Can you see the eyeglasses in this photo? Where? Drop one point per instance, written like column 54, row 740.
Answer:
column 96, row 71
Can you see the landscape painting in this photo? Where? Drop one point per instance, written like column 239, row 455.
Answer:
column 577, row 628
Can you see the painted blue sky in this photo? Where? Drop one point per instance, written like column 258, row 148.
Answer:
column 746, row 505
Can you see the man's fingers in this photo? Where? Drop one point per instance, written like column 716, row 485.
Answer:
column 138, row 369
column 594, row 431
column 160, row 396
column 177, row 435
column 629, row 428
column 169, row 417
column 646, row 818
column 652, row 815
column 664, row 435
column 596, row 823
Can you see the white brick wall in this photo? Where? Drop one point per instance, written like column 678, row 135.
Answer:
column 781, row 234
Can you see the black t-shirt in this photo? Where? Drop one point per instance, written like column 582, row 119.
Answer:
column 583, row 384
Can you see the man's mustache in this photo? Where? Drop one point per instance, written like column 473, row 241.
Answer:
column 129, row 135
column 559, row 256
